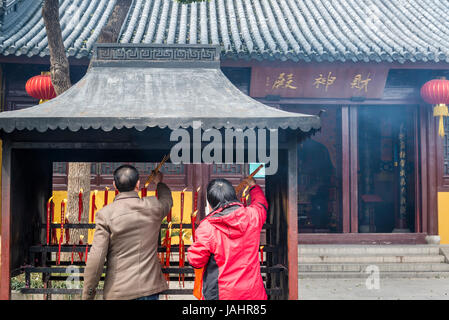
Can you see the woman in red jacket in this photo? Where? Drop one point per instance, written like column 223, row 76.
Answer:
column 227, row 244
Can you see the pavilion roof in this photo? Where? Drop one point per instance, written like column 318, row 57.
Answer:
column 310, row 30
column 144, row 86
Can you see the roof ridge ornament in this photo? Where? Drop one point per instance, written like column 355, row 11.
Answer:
column 156, row 55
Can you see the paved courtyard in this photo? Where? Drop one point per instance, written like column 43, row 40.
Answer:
column 389, row 289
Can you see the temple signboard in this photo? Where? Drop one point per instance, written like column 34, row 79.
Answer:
column 332, row 81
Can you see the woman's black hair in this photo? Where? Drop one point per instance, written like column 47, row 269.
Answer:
column 220, row 193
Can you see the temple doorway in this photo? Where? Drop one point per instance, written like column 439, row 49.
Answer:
column 386, row 173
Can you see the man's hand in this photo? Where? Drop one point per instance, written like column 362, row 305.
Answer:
column 250, row 182
column 158, row 177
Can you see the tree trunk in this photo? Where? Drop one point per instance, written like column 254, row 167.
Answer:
column 78, row 178
column 111, row 31
column 59, row 64
column 78, row 173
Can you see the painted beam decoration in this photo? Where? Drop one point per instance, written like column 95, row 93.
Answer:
column 318, row 81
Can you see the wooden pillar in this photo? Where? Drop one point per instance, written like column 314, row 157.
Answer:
column 292, row 219
column 416, row 143
column 354, row 164
column 5, row 272
column 346, row 207
column 423, row 133
column 432, row 213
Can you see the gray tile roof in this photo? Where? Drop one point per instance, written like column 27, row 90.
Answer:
column 309, row 30
column 143, row 79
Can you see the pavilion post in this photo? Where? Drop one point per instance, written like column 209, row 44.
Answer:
column 292, row 218
column 5, row 272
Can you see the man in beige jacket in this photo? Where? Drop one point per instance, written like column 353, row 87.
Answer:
column 126, row 236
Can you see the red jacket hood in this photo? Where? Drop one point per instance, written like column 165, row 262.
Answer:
column 233, row 224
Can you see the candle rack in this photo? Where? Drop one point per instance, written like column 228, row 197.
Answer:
column 43, row 260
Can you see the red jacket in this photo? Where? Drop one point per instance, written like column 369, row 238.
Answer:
column 227, row 246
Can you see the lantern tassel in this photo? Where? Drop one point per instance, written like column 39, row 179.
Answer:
column 441, row 110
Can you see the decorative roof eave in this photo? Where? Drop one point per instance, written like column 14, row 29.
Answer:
column 295, row 30
column 144, row 86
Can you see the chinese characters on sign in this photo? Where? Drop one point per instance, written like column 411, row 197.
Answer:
column 282, row 82
column 307, row 81
column 326, row 82
column 360, row 83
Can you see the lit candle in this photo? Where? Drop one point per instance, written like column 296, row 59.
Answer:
column 105, row 196
column 80, row 254
column 87, row 251
column 80, row 204
column 67, row 232
column 94, row 206
column 181, row 238
column 143, row 192
column 61, row 236
column 49, row 216
column 193, row 220
column 54, row 239
column 195, row 212
column 168, row 244
column 261, row 254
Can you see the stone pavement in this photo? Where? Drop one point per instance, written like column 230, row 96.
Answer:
column 389, row 289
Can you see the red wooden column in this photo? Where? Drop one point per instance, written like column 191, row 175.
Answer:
column 432, row 213
column 292, row 219
column 354, row 164
column 345, row 173
column 5, row 272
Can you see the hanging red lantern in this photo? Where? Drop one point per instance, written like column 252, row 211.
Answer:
column 436, row 92
column 40, row 87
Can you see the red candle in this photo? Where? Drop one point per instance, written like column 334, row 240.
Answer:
column 61, row 237
column 193, row 220
column 261, row 254
column 168, row 239
column 67, row 232
column 94, row 206
column 195, row 199
column 80, row 254
column 49, row 217
column 80, row 204
column 73, row 251
column 54, row 239
column 195, row 212
column 105, row 197
column 87, row 251
column 116, row 192
column 144, row 192
column 181, row 239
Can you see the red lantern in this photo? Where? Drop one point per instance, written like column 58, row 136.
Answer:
column 436, row 92
column 40, row 87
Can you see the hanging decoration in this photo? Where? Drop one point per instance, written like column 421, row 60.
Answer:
column 40, row 87
column 436, row 92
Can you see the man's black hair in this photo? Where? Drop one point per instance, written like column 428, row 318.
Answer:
column 220, row 193
column 125, row 178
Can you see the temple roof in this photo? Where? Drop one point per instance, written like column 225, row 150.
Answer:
column 144, row 86
column 309, row 30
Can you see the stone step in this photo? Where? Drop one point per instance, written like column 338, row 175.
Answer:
column 382, row 275
column 368, row 250
column 383, row 267
column 370, row 259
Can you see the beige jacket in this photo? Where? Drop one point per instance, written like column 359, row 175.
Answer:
column 126, row 236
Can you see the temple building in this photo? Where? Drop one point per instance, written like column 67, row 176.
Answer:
column 376, row 172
